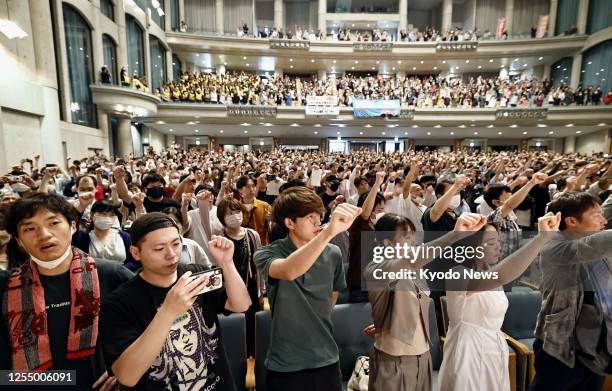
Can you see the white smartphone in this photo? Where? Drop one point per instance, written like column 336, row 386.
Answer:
column 215, row 279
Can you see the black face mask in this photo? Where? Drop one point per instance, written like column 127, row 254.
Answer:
column 334, row 187
column 155, row 192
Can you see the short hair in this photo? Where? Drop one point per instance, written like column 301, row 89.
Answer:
column 572, row 205
column 298, row 201
column 243, row 181
column 228, row 204
column 359, row 180
column 153, row 178
column 147, row 223
column 389, row 223
column 495, row 191
column 440, row 187
column 103, row 206
column 173, row 212
column 380, row 199
column 81, row 177
column 26, row 207
column 291, row 183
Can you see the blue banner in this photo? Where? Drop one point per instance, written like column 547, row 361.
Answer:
column 376, row 108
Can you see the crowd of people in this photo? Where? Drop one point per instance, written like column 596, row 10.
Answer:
column 104, row 263
column 412, row 91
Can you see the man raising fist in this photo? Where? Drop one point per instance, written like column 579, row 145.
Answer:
column 304, row 274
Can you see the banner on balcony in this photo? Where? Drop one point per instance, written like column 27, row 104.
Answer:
column 376, row 108
column 542, row 26
column 322, row 105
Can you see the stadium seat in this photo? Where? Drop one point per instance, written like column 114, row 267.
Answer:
column 233, row 332
column 519, row 324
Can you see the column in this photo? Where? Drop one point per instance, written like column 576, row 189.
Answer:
column 221, row 69
column 219, row 22
column 124, row 143
column 583, row 14
column 170, row 139
column 104, row 129
column 181, row 11
column 569, row 144
column 168, row 15
column 278, row 14
column 122, row 57
column 42, row 38
column 147, row 58
column 576, row 67
column 403, row 13
column 323, row 16
column 552, row 17
column 509, row 15
column 169, row 66
column 447, row 16
column 546, row 72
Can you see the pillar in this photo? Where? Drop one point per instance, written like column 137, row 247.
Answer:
column 403, row 14
column 219, row 22
column 103, row 126
column 122, row 57
column 552, row 17
column 147, row 58
column 447, row 16
column 42, row 39
column 170, row 140
column 169, row 66
column 569, row 144
column 278, row 14
column 583, row 14
column 546, row 72
column 124, row 143
column 221, row 69
column 509, row 15
column 167, row 16
column 576, row 67
column 323, row 16
column 181, row 11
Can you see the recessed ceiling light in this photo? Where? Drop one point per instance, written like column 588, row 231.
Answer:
column 399, row 61
column 524, row 132
column 462, row 126
column 317, row 125
column 415, row 126
column 367, row 126
column 457, row 68
column 569, row 125
column 315, row 132
column 514, row 126
column 422, row 62
column 452, row 133
column 393, row 68
column 435, row 68
column 490, row 126
column 467, row 61
column 542, row 125
column 248, row 64
column 171, row 130
column 475, row 133
column 524, row 65
column 337, row 132
column 269, row 131
column 414, row 68
column 429, row 133
column 479, row 66
column 246, row 131
column 516, row 59
column 197, row 54
column 245, row 124
column 551, row 132
column 160, row 122
column 540, row 58
column 244, row 58
column 291, row 66
column 356, row 61
column 373, row 68
column 312, row 60
column 294, row 125
column 601, row 124
column 500, row 133
column 491, row 60
column 443, row 61
column 197, row 130
column 378, row 62
column 352, row 67
column 221, row 131
column 291, row 60
column 334, row 61
column 437, row 126
column 383, row 133
column 360, row 132
column 578, row 132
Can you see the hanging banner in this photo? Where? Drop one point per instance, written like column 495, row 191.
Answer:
column 322, row 105
column 501, row 27
column 363, row 108
column 542, row 26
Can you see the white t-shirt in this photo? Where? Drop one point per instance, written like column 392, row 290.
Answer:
column 405, row 207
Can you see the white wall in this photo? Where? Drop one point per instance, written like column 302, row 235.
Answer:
column 79, row 139
column 21, row 137
column 157, row 140
column 594, row 142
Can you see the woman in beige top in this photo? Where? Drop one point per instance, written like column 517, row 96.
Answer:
column 400, row 359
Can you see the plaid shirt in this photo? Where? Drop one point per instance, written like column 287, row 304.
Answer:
column 508, row 229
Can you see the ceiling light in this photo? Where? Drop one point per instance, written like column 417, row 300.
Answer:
column 393, row 68
column 291, row 66
column 479, row 66
column 524, row 132
column 221, row 131
column 399, row 61
column 396, row 139
column 171, row 130
column 367, row 126
column 294, row 125
column 197, row 130
column 500, row 133
column 452, row 133
column 246, row 131
column 291, row 60
column 514, row 126
column 317, row 125
column 356, row 61
column 516, row 59
column 601, row 124
column 11, row 29
column 415, row 126
column 360, row 132
column 524, row 65
column 383, row 133
column 475, row 133
column 248, row 64
column 435, row 68
column 373, row 68
column 438, row 126
column 352, row 67
column 542, row 125
column 312, row 60
column 578, row 132
column 245, row 124
column 462, row 126
column 429, row 133
column 244, row 58
column 540, row 58
column 467, row 61
column 569, row 125
column 551, row 132
column 334, row 61
column 269, row 131
column 315, row 132
column 414, row 68
column 490, row 126
column 405, row 133
column 422, row 61
column 378, row 62
column 337, row 132
column 491, row 60
column 443, row 61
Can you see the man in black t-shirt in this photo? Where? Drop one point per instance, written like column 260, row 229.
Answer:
column 64, row 286
column 152, row 186
column 157, row 331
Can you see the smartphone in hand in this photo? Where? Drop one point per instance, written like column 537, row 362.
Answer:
column 215, row 279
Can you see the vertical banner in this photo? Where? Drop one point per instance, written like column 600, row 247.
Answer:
column 501, row 27
column 542, row 26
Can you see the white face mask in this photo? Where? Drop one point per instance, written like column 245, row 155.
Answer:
column 377, row 216
column 455, row 201
column 174, row 182
column 104, row 222
column 233, row 220
column 54, row 263
column 20, row 187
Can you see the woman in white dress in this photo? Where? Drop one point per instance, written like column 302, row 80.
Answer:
column 476, row 352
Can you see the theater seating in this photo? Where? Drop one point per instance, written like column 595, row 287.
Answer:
column 233, row 332
column 519, row 324
column 348, row 320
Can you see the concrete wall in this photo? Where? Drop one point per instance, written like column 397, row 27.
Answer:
column 157, row 140
column 594, row 142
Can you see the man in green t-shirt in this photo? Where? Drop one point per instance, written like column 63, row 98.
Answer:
column 304, row 274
